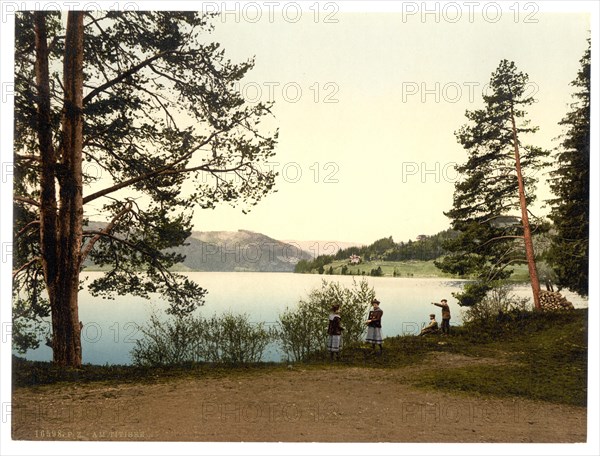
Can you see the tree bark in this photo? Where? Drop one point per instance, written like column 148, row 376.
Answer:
column 529, row 252
column 47, row 203
column 65, row 316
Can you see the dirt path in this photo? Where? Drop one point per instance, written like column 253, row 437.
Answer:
column 336, row 404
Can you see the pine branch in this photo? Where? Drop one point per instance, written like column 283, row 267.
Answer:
column 167, row 169
column 166, row 274
column 90, row 245
column 125, row 75
column 25, row 266
column 28, row 157
column 27, row 227
column 24, row 199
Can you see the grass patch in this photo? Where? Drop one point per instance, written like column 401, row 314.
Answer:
column 410, row 268
column 564, row 386
column 398, row 352
column 545, row 355
column 36, row 373
column 389, row 268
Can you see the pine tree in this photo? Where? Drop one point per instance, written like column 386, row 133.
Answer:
column 135, row 116
column 569, row 251
column 497, row 184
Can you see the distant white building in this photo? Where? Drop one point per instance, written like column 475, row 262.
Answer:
column 354, row 259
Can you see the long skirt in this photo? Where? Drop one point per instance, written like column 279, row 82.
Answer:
column 374, row 335
column 334, row 343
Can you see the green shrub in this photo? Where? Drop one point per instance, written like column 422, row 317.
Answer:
column 166, row 342
column 239, row 341
column 300, row 335
column 499, row 312
column 377, row 272
column 497, row 301
column 303, row 330
column 228, row 338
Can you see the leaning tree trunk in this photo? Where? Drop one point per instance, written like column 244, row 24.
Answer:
column 529, row 252
column 65, row 314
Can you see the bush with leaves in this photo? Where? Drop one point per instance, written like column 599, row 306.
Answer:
column 500, row 311
column 227, row 338
column 377, row 272
column 167, row 342
column 497, row 301
column 240, row 341
column 303, row 330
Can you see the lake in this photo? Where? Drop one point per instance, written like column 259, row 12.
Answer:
column 111, row 326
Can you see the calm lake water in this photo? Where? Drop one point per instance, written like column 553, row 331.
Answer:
column 111, row 326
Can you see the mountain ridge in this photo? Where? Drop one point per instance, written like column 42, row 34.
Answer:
column 231, row 251
column 241, row 250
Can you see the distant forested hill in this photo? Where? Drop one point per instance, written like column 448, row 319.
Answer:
column 425, row 248
column 240, row 251
column 233, row 251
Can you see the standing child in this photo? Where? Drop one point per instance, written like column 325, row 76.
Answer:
column 374, row 326
column 334, row 330
column 445, row 315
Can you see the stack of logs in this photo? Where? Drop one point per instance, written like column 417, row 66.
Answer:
column 553, row 301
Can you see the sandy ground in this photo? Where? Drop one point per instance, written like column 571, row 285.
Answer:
column 337, row 404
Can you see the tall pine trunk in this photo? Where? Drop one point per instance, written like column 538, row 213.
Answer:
column 529, row 252
column 67, row 336
column 48, row 211
column 61, row 227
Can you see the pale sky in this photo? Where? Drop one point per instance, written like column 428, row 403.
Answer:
column 367, row 108
column 367, row 100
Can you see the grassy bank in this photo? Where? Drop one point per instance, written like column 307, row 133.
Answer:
column 389, row 268
column 530, row 355
column 542, row 357
column 413, row 268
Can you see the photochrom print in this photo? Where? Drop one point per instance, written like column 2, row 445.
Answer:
column 299, row 223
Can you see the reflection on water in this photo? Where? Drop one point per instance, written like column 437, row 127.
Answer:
column 110, row 326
